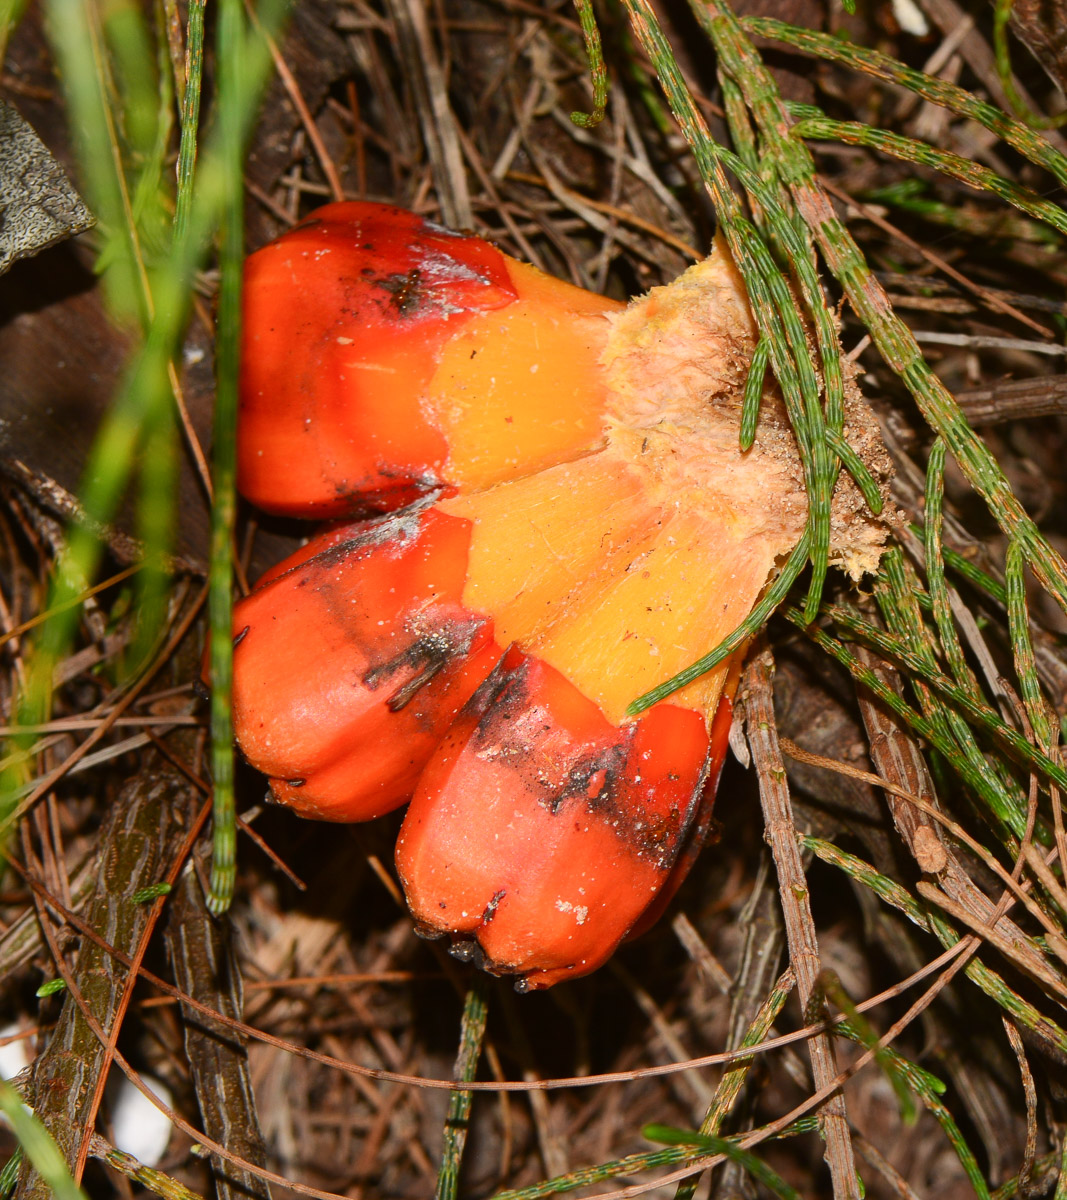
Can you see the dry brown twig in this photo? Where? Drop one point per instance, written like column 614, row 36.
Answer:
column 800, row 933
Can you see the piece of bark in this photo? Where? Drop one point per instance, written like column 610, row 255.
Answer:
column 205, row 967
column 143, row 831
column 1015, row 400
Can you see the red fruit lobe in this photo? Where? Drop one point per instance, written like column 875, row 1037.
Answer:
column 542, row 830
column 349, row 667
column 343, row 320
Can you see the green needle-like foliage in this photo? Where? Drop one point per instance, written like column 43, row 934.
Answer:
column 457, row 1123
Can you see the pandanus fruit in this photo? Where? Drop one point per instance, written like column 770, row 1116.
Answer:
column 548, row 514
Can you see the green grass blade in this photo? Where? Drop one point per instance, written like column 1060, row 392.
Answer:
column 711, row 1144
column 231, row 68
column 1037, row 708
column 890, row 335
column 735, row 1075
column 908, row 150
column 987, row 980
column 38, row 1146
column 754, row 380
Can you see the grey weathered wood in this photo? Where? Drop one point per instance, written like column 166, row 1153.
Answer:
column 39, row 204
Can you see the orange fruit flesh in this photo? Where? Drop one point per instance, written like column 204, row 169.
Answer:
column 622, row 566
column 625, row 592
column 538, row 540
column 520, row 388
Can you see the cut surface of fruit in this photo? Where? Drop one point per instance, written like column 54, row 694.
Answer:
column 621, row 568
column 537, row 541
column 520, row 388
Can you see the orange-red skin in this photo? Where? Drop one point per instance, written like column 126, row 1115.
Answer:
column 700, row 827
column 543, row 831
column 349, row 667
column 343, row 319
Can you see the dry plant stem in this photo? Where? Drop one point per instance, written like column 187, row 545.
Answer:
column 22, row 940
column 692, row 1081
column 1030, row 1096
column 711, row 970
column 328, row 1060
column 1035, row 860
column 800, row 929
column 898, row 760
column 986, row 295
column 49, row 781
column 55, row 499
column 935, row 855
column 423, row 69
column 192, row 832
column 205, row 966
column 979, row 56
column 753, row 1031
column 622, row 215
column 175, row 1118
column 329, row 168
column 138, row 841
column 1017, row 949
column 884, row 1168
column 761, row 954
column 956, row 959
column 155, row 1181
column 867, row 296
column 75, row 994
column 550, row 1142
